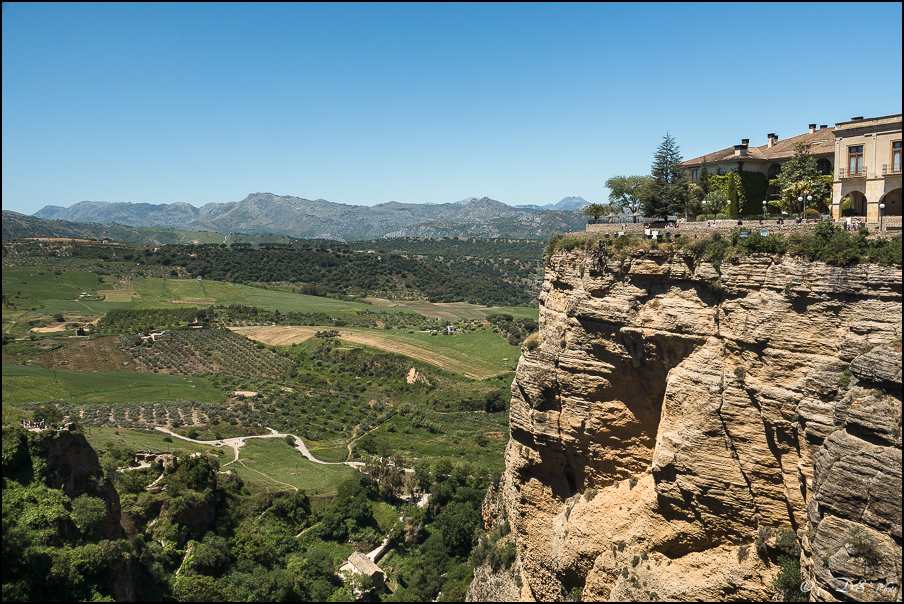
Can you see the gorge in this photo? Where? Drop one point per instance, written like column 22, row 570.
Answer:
column 683, row 423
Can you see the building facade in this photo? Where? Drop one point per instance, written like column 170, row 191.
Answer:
column 862, row 155
column 868, row 159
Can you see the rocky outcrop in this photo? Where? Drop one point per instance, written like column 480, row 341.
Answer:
column 73, row 467
column 677, row 412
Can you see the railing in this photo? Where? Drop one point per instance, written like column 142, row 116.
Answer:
column 886, row 171
column 619, row 220
column 861, row 173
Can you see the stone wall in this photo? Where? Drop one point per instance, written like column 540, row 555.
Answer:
column 889, row 223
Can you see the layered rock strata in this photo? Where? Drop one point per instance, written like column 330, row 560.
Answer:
column 680, row 423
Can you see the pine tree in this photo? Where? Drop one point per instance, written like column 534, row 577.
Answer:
column 667, row 192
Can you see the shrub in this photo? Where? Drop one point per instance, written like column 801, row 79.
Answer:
column 761, row 548
column 845, row 380
column 743, row 552
column 788, row 580
column 532, row 342
column 632, row 482
column 864, row 545
column 787, row 541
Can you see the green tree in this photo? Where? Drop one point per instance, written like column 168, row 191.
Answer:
column 596, row 210
column 667, row 190
column 625, row 192
column 89, row 514
column 51, row 415
column 800, row 178
column 715, row 202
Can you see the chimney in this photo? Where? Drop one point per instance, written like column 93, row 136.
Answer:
column 740, row 150
column 812, row 128
column 858, row 118
column 823, row 127
column 773, row 138
column 745, row 141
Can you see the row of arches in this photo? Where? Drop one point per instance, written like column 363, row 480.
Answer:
column 891, row 199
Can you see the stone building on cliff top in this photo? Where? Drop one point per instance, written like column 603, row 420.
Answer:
column 863, row 155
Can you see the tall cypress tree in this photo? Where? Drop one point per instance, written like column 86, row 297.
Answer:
column 734, row 209
column 667, row 193
column 703, row 179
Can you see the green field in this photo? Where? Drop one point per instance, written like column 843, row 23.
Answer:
column 482, row 344
column 36, row 385
column 44, row 284
column 146, row 440
column 456, row 442
column 271, row 463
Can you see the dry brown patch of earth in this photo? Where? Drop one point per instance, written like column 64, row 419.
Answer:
column 50, row 329
column 383, row 302
column 101, row 354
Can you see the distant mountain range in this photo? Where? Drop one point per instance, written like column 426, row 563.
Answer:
column 321, row 219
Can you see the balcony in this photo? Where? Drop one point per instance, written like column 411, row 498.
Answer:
column 860, row 173
column 890, row 172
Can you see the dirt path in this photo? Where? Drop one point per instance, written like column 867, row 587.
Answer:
column 449, row 360
column 237, row 443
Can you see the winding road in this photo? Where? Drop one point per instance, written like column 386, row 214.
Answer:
column 236, row 444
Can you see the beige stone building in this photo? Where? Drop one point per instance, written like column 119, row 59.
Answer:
column 868, row 158
column 863, row 155
column 768, row 159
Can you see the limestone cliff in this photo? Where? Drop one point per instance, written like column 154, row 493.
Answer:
column 678, row 418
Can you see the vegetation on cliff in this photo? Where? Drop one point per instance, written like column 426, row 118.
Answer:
column 827, row 243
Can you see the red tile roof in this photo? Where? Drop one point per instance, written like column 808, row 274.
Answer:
column 820, row 142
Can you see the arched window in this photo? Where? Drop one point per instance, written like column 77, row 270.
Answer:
column 824, row 167
column 774, row 171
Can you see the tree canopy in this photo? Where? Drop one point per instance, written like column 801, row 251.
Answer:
column 800, row 178
column 667, row 190
column 626, row 192
column 595, row 209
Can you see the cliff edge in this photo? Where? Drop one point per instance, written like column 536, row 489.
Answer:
column 682, row 425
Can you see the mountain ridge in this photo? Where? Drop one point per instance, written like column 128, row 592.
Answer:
column 299, row 217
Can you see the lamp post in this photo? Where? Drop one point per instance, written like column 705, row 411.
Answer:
column 881, row 212
column 764, row 209
column 801, row 201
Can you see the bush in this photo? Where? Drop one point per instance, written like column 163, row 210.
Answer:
column 864, row 545
column 788, row 580
column 533, row 341
column 502, row 556
column 787, row 541
column 845, row 380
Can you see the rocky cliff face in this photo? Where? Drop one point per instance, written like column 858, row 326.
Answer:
column 681, row 422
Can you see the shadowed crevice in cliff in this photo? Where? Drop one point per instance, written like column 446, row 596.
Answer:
column 611, row 386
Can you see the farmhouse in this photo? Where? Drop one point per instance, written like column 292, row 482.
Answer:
column 360, row 564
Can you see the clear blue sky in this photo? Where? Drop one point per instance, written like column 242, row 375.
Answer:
column 363, row 104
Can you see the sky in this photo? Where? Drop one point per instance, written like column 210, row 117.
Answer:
column 417, row 103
